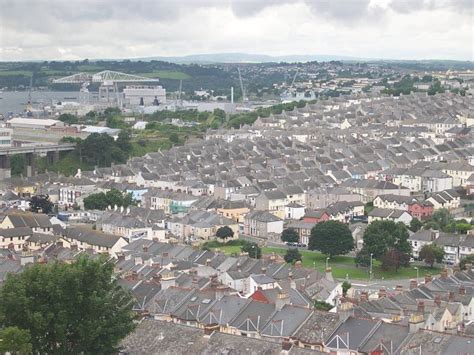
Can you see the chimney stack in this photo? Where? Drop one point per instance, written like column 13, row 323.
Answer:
column 364, row 296
column 444, row 274
column 450, row 296
column 468, row 266
column 437, row 300
column 421, row 307
column 428, row 278
column 462, row 290
column 382, row 293
column 413, row 284
column 399, row 289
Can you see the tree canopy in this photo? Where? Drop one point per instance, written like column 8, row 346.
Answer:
column 293, row 255
column 382, row 236
column 431, row 253
column 15, row 341
column 224, row 232
column 252, row 249
column 290, row 235
column 112, row 198
column 331, row 238
column 67, row 308
column 41, row 204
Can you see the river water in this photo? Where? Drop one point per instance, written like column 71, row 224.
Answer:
column 14, row 102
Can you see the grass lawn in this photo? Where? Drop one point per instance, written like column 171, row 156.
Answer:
column 342, row 265
column 164, row 74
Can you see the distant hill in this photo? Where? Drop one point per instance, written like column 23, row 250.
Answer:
column 248, row 58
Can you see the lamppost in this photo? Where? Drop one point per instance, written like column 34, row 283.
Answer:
column 327, row 263
column 417, row 273
column 371, row 265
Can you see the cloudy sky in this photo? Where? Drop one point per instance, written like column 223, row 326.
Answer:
column 78, row 29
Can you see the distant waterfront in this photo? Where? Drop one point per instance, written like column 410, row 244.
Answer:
column 15, row 101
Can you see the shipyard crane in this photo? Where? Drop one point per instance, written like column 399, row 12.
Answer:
column 241, row 86
column 108, row 79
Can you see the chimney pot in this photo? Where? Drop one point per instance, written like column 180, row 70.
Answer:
column 428, row 278
column 413, row 284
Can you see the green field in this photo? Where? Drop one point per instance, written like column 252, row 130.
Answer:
column 341, row 266
column 163, row 74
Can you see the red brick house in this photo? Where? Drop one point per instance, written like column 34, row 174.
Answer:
column 420, row 210
column 316, row 216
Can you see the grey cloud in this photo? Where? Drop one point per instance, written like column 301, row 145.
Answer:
column 408, row 6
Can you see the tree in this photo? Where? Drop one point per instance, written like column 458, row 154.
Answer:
column 331, row 238
column 252, row 249
column 41, row 204
column 293, row 255
column 68, row 118
column 322, row 306
column 439, row 219
column 290, row 235
column 174, row 138
column 393, row 259
column 124, row 141
column 68, row 308
column 15, row 341
column 362, row 258
column 346, row 285
column 431, row 253
column 113, row 197
column 467, row 260
column 415, row 225
column 225, row 232
column 380, row 236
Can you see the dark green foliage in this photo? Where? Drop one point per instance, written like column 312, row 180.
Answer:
column 68, row 308
column 113, row 197
column 381, row 236
column 393, row 259
column 415, row 225
column 15, row 341
column 252, row 249
column 224, row 232
column 322, row 306
column 68, row 118
column 290, row 235
column 292, row 255
column 174, row 138
column 435, row 88
column 331, row 238
column 41, row 204
column 362, row 258
column 101, row 150
column 431, row 253
column 346, row 285
column 467, row 260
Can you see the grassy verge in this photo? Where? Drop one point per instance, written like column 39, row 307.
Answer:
column 341, row 266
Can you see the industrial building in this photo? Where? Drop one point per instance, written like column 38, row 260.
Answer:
column 144, row 95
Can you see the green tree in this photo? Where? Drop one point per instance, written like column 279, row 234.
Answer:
column 431, row 253
column 68, row 118
column 331, row 238
column 439, row 219
column 467, row 260
column 96, row 201
column 322, row 306
column 41, row 204
column 124, row 141
column 293, row 255
column 68, row 308
column 393, row 259
column 114, row 198
column 346, row 285
column 381, row 236
column 174, row 138
column 252, row 249
column 362, row 258
column 15, row 341
column 224, row 233
column 415, row 225
column 290, row 235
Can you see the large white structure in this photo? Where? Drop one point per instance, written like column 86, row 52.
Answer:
column 144, row 95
